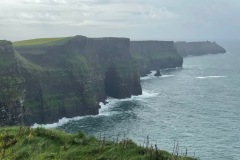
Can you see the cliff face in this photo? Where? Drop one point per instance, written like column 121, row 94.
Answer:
column 11, row 87
column 198, row 48
column 155, row 55
column 70, row 77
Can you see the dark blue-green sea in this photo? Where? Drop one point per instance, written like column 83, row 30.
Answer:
column 197, row 106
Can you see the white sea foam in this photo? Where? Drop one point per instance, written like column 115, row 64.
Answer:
column 166, row 69
column 145, row 94
column 165, row 76
column 149, row 76
column 205, row 77
column 103, row 111
column 61, row 122
column 111, row 101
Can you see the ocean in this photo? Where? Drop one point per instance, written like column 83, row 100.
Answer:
column 196, row 106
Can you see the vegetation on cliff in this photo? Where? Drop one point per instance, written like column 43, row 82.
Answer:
column 68, row 77
column 11, row 87
column 39, row 41
column 155, row 55
column 42, row 144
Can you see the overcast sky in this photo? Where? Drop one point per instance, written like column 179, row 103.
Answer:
column 136, row 19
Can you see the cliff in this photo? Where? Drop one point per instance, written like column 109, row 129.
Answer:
column 155, row 55
column 11, row 87
column 198, row 48
column 68, row 77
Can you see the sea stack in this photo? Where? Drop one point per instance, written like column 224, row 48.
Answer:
column 157, row 74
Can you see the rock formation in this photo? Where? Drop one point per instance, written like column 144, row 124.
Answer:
column 157, row 74
column 45, row 80
column 155, row 55
column 69, row 77
column 198, row 48
column 11, row 87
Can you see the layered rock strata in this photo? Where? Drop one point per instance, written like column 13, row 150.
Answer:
column 11, row 87
column 69, row 77
column 155, row 55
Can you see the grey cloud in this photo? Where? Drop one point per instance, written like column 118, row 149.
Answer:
column 152, row 19
column 47, row 2
column 38, row 16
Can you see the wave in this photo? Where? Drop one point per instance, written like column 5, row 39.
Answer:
column 61, row 122
column 174, row 68
column 205, row 77
column 103, row 111
column 149, row 76
column 165, row 76
column 111, row 101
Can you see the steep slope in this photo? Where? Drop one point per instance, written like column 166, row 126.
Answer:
column 155, row 55
column 11, row 87
column 69, row 77
column 198, row 48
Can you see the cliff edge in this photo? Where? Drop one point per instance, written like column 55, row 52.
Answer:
column 198, row 48
column 11, row 87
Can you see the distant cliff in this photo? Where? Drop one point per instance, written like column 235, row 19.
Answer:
column 198, row 48
column 11, row 87
column 155, row 55
column 68, row 77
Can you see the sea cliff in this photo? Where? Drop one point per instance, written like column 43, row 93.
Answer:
column 11, row 87
column 68, row 77
column 198, row 48
column 155, row 55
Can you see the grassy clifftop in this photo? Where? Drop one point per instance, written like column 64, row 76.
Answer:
column 27, row 143
column 39, row 41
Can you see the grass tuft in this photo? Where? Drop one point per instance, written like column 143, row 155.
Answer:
column 30, row 144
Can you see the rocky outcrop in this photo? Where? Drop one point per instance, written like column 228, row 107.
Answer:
column 155, row 55
column 157, row 74
column 198, row 48
column 11, row 87
column 69, row 77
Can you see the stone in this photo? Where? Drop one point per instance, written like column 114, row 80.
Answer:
column 157, row 74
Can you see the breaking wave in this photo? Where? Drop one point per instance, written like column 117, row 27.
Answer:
column 205, row 77
column 103, row 111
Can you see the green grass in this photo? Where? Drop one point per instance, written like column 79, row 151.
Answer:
column 79, row 65
column 31, row 66
column 25, row 143
column 39, row 41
